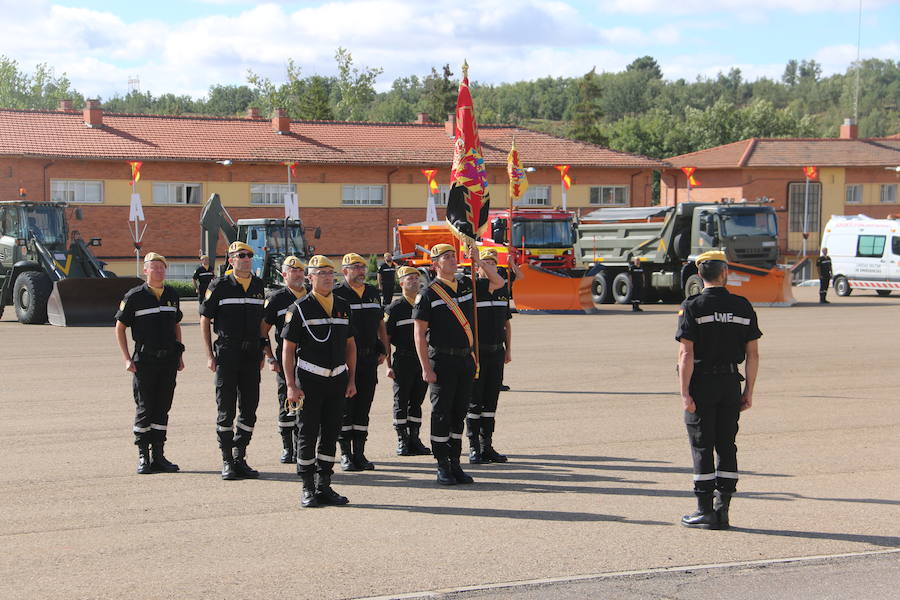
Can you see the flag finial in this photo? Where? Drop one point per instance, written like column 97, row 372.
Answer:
column 465, row 69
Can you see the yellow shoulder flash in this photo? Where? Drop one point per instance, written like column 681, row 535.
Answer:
column 266, row 303
column 418, row 298
column 122, row 305
column 680, row 312
column 208, row 293
column 288, row 316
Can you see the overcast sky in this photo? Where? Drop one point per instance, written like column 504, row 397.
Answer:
column 185, row 46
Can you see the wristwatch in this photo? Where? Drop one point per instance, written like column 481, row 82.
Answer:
column 271, row 360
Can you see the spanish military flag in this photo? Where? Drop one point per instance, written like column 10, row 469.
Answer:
column 518, row 180
column 469, row 201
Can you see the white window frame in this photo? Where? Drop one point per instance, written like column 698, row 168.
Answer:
column 854, row 193
column 888, row 193
column 440, row 199
column 74, row 190
column 535, row 195
column 175, row 192
column 270, row 194
column 180, row 271
column 796, row 197
column 598, row 192
column 362, row 195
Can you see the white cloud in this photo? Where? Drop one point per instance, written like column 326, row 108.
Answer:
column 701, row 7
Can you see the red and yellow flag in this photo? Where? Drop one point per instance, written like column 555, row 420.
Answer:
column 292, row 166
column 432, row 182
column 689, row 172
column 564, row 175
column 518, row 180
column 135, row 171
column 811, row 172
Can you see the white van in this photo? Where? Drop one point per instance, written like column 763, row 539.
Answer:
column 865, row 253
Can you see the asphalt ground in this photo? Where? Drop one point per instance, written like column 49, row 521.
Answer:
column 599, row 475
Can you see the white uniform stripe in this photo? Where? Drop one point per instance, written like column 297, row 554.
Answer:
column 281, row 312
column 306, row 461
column 153, row 311
column 286, row 423
column 347, row 428
column 488, row 414
column 486, row 303
column 360, row 428
column 705, row 477
column 440, row 438
column 472, row 416
column 141, row 429
column 456, row 436
column 706, row 319
column 158, row 427
column 329, row 321
column 399, row 421
column 415, row 419
column 727, row 474
column 327, row 458
column 241, row 301
column 365, row 305
column 405, row 322
column 223, row 429
column 740, row 320
column 244, row 427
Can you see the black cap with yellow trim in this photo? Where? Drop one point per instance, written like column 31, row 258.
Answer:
column 151, row 256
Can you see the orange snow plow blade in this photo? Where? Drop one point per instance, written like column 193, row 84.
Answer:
column 540, row 290
column 762, row 287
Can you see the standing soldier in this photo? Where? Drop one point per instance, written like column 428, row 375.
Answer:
column 494, row 333
column 202, row 276
column 404, row 368
column 386, row 276
column 319, row 358
column 637, row 283
column 444, row 345
column 233, row 305
column 274, row 310
column 153, row 313
column 823, row 264
column 717, row 331
column 366, row 316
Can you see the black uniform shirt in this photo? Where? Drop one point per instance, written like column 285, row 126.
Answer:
column 152, row 321
column 203, row 275
column 399, row 324
column 720, row 324
column 493, row 313
column 444, row 329
column 387, row 272
column 824, row 265
column 366, row 314
column 274, row 310
column 321, row 338
column 236, row 314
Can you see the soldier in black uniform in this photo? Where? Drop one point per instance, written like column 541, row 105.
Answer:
column 636, row 270
column 404, row 368
column 152, row 311
column 386, row 276
column 233, row 305
column 274, row 310
column 717, row 331
column 319, row 358
column 823, row 264
column 493, row 333
column 202, row 276
column 444, row 345
column 366, row 315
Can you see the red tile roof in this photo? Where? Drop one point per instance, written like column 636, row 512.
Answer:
column 143, row 137
column 787, row 152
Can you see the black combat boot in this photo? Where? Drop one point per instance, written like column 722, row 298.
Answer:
column 473, row 428
column 287, row 442
column 308, row 492
column 458, row 474
column 161, row 464
column 636, row 307
column 415, row 444
column 705, row 517
column 359, row 452
column 347, row 462
column 144, row 467
column 326, row 495
column 241, row 466
column 444, row 472
column 721, row 504
column 488, row 454
column 403, row 448
column 229, row 473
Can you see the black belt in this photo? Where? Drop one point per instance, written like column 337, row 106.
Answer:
column 405, row 352
column 451, row 351
column 360, row 351
column 254, row 344
column 715, row 369
column 158, row 352
column 491, row 347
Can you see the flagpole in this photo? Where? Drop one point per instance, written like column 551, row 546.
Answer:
column 805, row 215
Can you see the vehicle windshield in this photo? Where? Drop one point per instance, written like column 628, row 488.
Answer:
column 749, row 223
column 47, row 225
column 541, row 234
column 276, row 243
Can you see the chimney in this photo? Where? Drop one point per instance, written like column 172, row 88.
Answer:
column 280, row 122
column 849, row 130
column 422, row 119
column 450, row 125
column 93, row 113
column 65, row 105
column 252, row 112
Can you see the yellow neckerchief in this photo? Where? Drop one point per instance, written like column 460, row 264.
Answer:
column 298, row 293
column 450, row 283
column 245, row 283
column 157, row 291
column 327, row 302
column 359, row 290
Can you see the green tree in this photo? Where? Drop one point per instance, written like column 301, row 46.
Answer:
column 646, row 65
column 288, row 95
column 39, row 90
column 791, row 73
column 314, row 102
column 439, row 94
column 587, row 114
column 356, row 87
column 227, row 100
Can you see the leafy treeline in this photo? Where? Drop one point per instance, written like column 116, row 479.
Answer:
column 634, row 110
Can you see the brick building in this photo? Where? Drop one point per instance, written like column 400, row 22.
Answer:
column 855, row 176
column 354, row 180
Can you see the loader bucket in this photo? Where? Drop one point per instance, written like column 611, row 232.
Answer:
column 762, row 287
column 87, row 301
column 541, row 290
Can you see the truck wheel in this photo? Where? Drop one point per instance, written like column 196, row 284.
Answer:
column 883, row 292
column 693, row 286
column 842, row 286
column 30, row 295
column 623, row 288
column 601, row 289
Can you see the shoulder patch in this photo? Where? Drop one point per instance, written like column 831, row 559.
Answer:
column 418, row 298
column 208, row 293
column 266, row 303
column 122, row 305
column 680, row 312
column 288, row 316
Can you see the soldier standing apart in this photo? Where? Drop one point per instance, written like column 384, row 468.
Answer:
column 152, row 312
column 637, row 284
column 444, row 345
column 202, row 276
column 233, row 306
column 823, row 264
column 319, row 358
column 717, row 331
column 404, row 368
column 386, row 276
column 494, row 335
column 274, row 311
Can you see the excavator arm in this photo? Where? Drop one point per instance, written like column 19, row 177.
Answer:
column 215, row 218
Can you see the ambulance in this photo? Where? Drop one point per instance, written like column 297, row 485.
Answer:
column 865, row 253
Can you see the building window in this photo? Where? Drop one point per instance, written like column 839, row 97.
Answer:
column 797, row 200
column 363, row 195
column 609, row 195
column 889, row 193
column 87, row 192
column 870, row 246
column 535, row 195
column 181, row 271
column 270, row 194
column 854, row 194
column 177, row 193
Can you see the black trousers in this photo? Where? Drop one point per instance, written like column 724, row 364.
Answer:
column 409, row 390
column 449, row 400
column 482, row 412
column 356, row 409
column 154, row 387
column 823, row 286
column 387, row 294
column 712, row 429
column 237, row 392
column 285, row 421
column 320, row 423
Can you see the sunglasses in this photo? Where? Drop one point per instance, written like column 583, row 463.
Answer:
column 242, row 255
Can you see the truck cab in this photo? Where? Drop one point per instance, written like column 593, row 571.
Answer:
column 747, row 233
column 543, row 235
